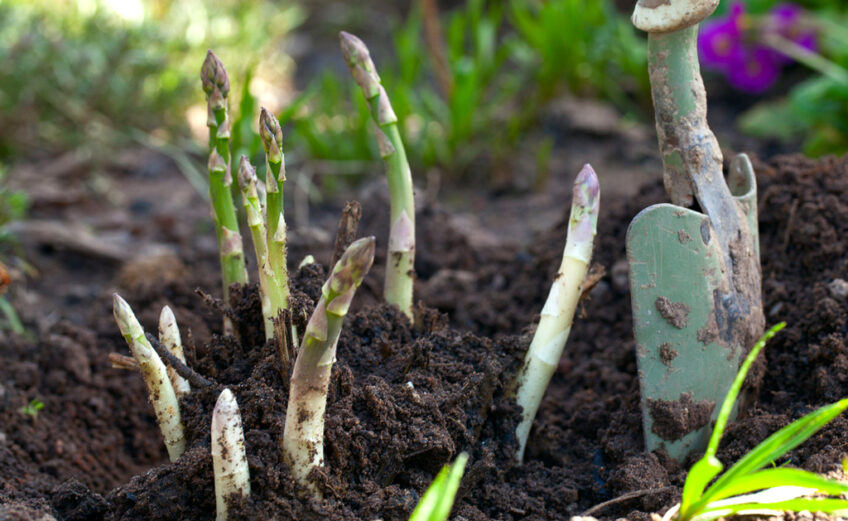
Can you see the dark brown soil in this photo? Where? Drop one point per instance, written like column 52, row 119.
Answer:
column 405, row 397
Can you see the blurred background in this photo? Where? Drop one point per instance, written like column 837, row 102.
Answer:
column 493, row 96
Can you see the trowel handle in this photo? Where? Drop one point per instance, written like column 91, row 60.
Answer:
column 687, row 145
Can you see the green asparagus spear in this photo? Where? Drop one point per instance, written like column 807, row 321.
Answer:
column 272, row 141
column 401, row 256
column 303, row 437
column 269, row 286
column 216, row 85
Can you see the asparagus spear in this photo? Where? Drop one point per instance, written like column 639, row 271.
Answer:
column 169, row 336
column 269, row 286
column 303, row 437
column 272, row 141
column 159, row 387
column 216, row 85
column 558, row 313
column 401, row 258
column 229, row 459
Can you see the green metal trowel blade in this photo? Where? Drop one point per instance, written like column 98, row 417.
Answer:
column 676, row 272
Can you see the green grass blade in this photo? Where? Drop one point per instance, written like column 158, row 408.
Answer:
column 701, row 473
column 733, row 393
column 437, row 501
column 708, row 467
column 780, row 477
column 826, row 505
column 14, row 321
column 777, row 445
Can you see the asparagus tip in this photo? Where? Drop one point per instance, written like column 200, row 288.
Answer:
column 587, row 188
column 225, row 409
column 361, row 66
column 353, row 49
column 214, row 76
column 356, row 260
column 246, row 173
column 122, row 312
column 166, row 317
column 270, row 132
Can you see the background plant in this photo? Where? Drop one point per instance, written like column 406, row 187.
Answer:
column 814, row 112
column 13, row 207
column 503, row 62
column 83, row 74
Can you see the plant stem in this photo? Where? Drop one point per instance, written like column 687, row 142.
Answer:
column 811, row 59
column 545, row 350
column 303, row 438
column 401, row 253
column 159, row 388
column 216, row 85
column 272, row 141
column 229, row 459
column 169, row 336
column 269, row 286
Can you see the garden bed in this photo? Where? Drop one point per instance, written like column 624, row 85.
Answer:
column 405, row 398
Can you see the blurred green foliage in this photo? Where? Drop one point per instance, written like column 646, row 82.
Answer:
column 587, row 48
column 813, row 116
column 13, row 207
column 505, row 61
column 81, row 73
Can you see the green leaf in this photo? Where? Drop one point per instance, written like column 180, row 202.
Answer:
column 779, row 477
column 779, row 444
column 736, row 386
column 826, row 505
column 437, row 501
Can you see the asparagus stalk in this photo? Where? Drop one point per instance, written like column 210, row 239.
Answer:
column 401, row 255
column 216, row 85
column 303, row 437
column 159, row 387
column 272, row 141
column 269, row 287
column 229, row 459
column 169, row 336
column 558, row 313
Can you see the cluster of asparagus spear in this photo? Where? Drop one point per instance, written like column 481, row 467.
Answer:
column 302, row 443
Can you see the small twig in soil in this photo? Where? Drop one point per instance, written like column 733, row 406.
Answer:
column 285, row 343
column 625, row 497
column 193, row 377
column 217, row 304
column 787, row 234
column 190, row 349
column 596, row 273
column 120, row 361
column 348, row 224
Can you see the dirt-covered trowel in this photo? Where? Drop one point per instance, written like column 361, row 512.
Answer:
column 694, row 275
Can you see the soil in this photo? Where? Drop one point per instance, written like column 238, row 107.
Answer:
column 405, row 396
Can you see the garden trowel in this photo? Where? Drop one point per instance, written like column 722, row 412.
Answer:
column 694, row 273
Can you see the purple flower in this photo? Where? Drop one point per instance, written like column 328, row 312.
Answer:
column 734, row 44
column 753, row 69
column 787, row 21
column 719, row 39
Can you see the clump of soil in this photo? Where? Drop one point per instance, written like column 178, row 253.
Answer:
column 406, row 397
